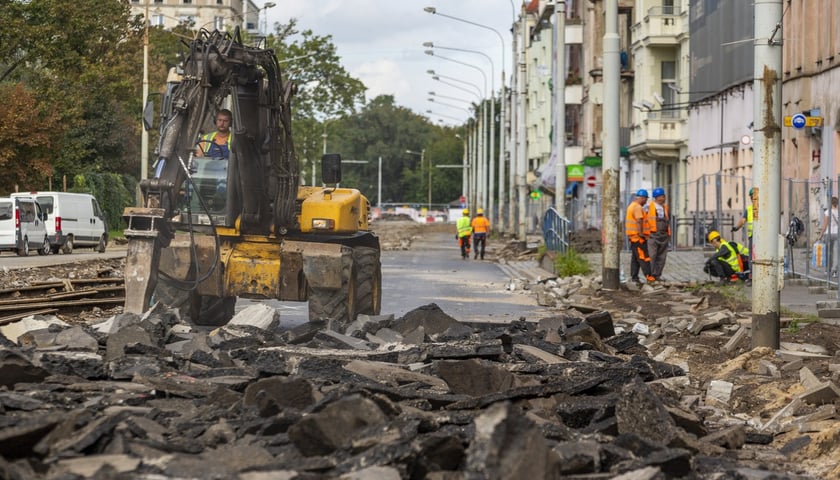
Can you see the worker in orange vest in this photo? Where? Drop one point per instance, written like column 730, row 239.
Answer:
column 637, row 229
column 659, row 224
column 480, row 228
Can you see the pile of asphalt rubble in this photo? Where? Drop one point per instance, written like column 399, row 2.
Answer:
column 422, row 396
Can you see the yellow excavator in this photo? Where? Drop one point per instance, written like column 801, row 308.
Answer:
column 211, row 229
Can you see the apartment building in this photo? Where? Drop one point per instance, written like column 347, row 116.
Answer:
column 208, row 14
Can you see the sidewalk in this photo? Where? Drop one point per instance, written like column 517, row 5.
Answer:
column 803, row 289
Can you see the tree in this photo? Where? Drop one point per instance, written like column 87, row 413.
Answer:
column 325, row 88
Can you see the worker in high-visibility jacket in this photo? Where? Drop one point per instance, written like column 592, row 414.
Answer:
column 464, row 230
column 217, row 143
column 480, row 230
column 637, row 229
column 748, row 218
column 730, row 260
column 659, row 224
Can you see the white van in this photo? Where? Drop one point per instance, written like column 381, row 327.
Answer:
column 23, row 226
column 73, row 220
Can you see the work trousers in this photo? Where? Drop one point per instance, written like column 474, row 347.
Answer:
column 479, row 241
column 658, row 252
column 719, row 268
column 465, row 246
column 639, row 259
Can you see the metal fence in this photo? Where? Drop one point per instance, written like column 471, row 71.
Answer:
column 555, row 231
column 717, row 202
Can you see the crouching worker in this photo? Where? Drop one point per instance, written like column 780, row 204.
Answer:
column 727, row 263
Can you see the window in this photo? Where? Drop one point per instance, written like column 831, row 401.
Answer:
column 668, row 76
column 157, row 20
column 667, row 7
column 219, row 23
column 220, row 2
column 187, row 2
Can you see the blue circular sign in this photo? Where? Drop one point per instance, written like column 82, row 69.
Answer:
column 798, row 121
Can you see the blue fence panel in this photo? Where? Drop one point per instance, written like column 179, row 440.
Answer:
column 555, row 231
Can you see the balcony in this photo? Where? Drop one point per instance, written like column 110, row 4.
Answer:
column 659, row 135
column 574, row 34
column 661, row 26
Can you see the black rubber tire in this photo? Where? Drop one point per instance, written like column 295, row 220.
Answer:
column 45, row 248
column 23, row 251
column 103, row 242
column 68, row 245
column 55, row 249
column 336, row 306
column 368, row 280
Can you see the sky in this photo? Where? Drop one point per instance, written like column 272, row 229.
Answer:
column 380, row 43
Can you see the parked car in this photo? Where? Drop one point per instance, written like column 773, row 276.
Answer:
column 23, row 226
column 73, row 220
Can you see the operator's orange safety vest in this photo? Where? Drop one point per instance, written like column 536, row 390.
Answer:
column 652, row 219
column 480, row 224
column 635, row 223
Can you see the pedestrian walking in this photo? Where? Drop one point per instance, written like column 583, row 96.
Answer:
column 463, row 233
column 659, row 224
column 831, row 225
column 637, row 230
column 480, row 229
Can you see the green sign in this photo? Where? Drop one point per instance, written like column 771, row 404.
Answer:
column 592, row 161
column 574, row 173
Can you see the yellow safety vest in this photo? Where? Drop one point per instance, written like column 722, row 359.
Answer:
column 463, row 225
column 750, row 217
column 733, row 260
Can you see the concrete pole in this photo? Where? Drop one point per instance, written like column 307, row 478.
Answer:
column 473, row 165
column 144, row 136
column 559, row 94
column 611, row 217
column 767, row 86
column 485, row 163
column 491, row 171
column 465, row 161
column 513, row 149
column 379, row 186
column 500, row 220
column 522, row 156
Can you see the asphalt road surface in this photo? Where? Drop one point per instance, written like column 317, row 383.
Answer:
column 432, row 271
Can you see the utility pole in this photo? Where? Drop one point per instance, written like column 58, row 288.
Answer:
column 610, row 215
column 559, row 94
column 522, row 157
column 767, row 88
column 144, row 136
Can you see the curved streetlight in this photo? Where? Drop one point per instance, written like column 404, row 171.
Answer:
column 264, row 9
column 449, row 98
column 491, row 180
column 434, row 11
column 448, row 105
column 477, row 89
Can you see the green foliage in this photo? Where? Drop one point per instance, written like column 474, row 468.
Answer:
column 114, row 193
column 571, row 263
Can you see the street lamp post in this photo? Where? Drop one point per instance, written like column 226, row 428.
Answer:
column 264, row 9
column 485, row 161
column 434, row 11
column 422, row 154
column 490, row 170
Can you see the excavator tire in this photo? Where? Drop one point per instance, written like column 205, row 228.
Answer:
column 336, row 306
column 368, row 280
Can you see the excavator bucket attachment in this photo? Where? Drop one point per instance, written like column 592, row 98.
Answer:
column 145, row 227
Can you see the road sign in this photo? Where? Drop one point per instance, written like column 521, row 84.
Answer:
column 590, row 181
column 800, row 120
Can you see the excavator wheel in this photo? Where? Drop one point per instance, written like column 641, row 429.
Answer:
column 368, row 280
column 336, row 306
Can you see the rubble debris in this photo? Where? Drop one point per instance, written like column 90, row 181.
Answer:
column 421, row 396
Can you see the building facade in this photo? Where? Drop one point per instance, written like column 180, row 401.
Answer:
column 206, row 14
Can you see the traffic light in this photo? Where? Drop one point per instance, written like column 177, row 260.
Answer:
column 536, row 194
